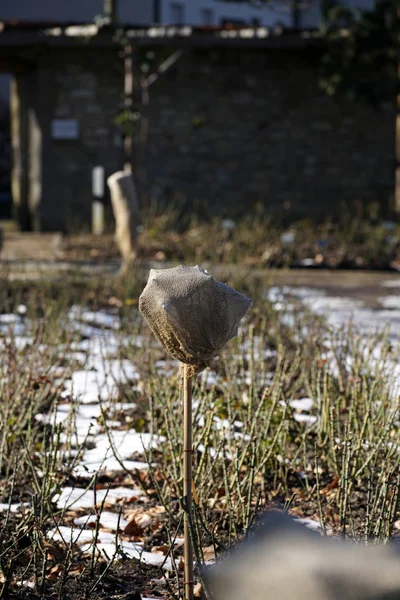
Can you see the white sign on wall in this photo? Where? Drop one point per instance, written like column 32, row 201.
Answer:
column 65, row 129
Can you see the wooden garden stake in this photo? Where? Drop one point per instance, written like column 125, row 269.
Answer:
column 187, row 480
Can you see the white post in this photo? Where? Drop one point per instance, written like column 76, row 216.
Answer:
column 98, row 200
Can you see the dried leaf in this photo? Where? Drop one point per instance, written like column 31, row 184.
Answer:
column 130, row 500
column 334, row 483
column 76, row 571
column 195, row 496
column 198, row 591
column 55, row 572
column 53, row 552
column 133, row 528
column 209, row 553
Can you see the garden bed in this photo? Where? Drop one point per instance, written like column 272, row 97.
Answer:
column 297, row 412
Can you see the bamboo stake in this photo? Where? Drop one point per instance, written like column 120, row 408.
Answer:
column 187, row 481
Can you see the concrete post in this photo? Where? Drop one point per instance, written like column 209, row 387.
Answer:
column 126, row 212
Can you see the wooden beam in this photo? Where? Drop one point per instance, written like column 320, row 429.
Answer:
column 110, row 10
column 397, row 154
column 164, row 67
column 128, row 106
column 20, row 151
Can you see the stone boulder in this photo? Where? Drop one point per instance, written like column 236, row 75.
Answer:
column 285, row 561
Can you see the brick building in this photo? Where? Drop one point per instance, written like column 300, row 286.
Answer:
column 237, row 119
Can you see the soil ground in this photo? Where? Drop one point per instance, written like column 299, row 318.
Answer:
column 128, row 579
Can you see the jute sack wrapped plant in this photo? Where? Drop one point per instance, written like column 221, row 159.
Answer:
column 193, row 316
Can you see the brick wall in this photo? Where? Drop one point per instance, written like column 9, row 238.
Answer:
column 229, row 129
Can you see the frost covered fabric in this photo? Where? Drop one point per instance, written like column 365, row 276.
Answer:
column 192, row 314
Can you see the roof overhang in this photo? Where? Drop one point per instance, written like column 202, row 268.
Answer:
column 23, row 34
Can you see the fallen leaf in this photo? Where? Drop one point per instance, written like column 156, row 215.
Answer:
column 198, row 591
column 53, row 552
column 55, row 572
column 334, row 483
column 130, row 500
column 221, row 492
column 195, row 496
column 133, row 528
column 76, row 571
column 209, row 553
